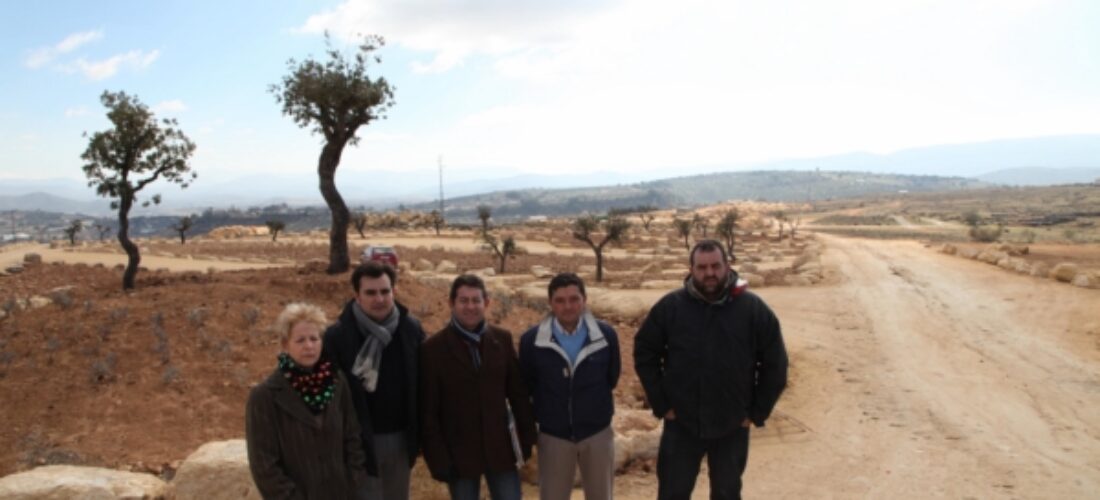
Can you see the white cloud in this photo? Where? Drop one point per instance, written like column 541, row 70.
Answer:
column 106, row 68
column 76, row 111
column 453, row 31
column 642, row 84
column 171, row 106
column 44, row 55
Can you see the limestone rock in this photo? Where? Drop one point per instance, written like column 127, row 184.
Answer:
column 661, row 284
column 755, row 280
column 968, row 253
column 797, row 280
column 484, row 272
column 949, row 249
column 748, row 267
column 1086, row 280
column 991, row 256
column 541, row 272
column 32, row 258
column 70, row 481
column 436, row 247
column 423, row 265
column 38, row 302
column 1040, row 269
column 446, row 266
column 217, row 470
column 800, row 261
column 1064, row 272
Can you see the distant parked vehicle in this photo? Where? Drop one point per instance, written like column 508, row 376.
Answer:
column 379, row 253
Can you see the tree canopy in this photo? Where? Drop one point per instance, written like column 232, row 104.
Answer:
column 135, row 152
column 334, row 98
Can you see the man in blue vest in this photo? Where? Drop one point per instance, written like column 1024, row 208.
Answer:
column 571, row 364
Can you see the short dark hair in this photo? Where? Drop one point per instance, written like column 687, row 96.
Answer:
column 563, row 280
column 469, row 280
column 707, row 246
column 372, row 269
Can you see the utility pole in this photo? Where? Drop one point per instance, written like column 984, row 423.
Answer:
column 440, row 163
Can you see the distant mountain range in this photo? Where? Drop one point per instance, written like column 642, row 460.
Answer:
column 1032, row 161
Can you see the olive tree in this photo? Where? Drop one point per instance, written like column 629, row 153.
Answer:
column 135, row 152
column 74, row 228
column 683, row 228
column 501, row 248
column 182, row 226
column 614, row 228
column 334, row 98
column 274, row 226
column 727, row 229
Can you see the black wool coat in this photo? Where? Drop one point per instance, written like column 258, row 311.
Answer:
column 342, row 343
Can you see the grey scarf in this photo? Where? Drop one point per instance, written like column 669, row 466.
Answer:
column 377, row 336
column 723, row 295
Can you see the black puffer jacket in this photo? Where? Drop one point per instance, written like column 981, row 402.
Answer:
column 713, row 363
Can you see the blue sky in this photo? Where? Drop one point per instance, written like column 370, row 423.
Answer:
column 499, row 87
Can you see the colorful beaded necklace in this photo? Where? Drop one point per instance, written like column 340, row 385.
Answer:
column 316, row 387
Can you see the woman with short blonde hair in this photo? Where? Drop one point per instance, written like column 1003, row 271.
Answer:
column 300, row 425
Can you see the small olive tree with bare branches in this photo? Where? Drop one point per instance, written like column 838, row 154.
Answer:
column 614, row 228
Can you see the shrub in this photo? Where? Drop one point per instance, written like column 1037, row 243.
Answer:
column 986, row 234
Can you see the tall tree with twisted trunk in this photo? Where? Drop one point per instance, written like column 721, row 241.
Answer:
column 335, row 98
column 135, row 152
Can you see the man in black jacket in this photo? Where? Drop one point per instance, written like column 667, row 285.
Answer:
column 376, row 344
column 711, row 359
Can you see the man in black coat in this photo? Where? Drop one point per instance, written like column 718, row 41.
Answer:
column 711, row 359
column 376, row 344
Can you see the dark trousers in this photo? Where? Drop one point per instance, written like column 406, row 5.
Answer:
column 681, row 454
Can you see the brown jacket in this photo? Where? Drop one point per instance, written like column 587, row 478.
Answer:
column 464, row 423
column 295, row 454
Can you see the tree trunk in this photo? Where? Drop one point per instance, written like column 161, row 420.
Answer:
column 338, row 260
column 599, row 264
column 503, row 259
column 183, row 239
column 125, row 202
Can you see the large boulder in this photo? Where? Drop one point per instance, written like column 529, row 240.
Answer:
column 59, row 482
column 216, row 471
column 423, row 265
column 446, row 266
column 32, row 258
column 1064, row 272
column 637, row 436
column 949, row 249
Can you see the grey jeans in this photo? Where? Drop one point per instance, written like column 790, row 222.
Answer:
column 392, row 482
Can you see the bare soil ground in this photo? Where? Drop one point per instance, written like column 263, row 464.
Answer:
column 915, row 374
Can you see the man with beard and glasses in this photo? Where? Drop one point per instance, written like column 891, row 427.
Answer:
column 711, row 359
column 376, row 345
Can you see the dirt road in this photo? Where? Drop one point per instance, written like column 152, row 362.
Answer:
column 921, row 375
column 14, row 254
